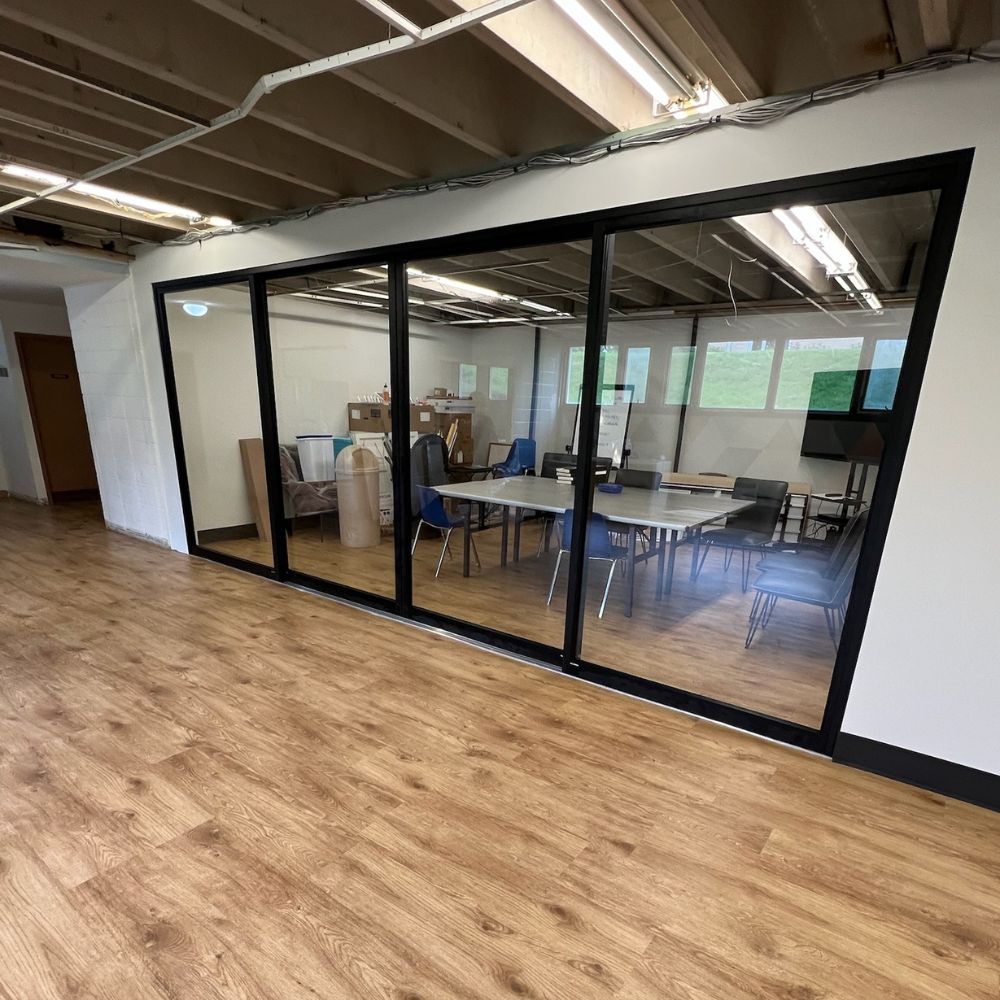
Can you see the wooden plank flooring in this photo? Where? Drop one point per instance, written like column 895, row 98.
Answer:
column 215, row 787
column 693, row 640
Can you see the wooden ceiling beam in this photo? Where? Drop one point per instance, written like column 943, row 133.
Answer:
column 307, row 166
column 155, row 40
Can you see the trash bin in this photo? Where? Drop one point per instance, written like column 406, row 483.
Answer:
column 357, row 497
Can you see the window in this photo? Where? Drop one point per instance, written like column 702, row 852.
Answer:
column 606, row 374
column 679, row 376
column 803, row 359
column 467, row 379
column 498, row 382
column 737, row 374
column 886, row 360
column 637, row 371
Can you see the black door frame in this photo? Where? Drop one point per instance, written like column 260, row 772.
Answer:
column 946, row 173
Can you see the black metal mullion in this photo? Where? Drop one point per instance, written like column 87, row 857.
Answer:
column 269, row 423
column 399, row 384
column 601, row 253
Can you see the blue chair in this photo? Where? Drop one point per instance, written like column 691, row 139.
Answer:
column 520, row 460
column 433, row 514
column 599, row 547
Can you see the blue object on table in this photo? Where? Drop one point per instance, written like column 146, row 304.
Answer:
column 611, row 487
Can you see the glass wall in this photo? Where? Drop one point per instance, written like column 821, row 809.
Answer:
column 751, row 418
column 215, row 374
column 496, row 352
column 329, row 333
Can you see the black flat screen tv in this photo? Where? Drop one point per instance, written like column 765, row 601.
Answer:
column 852, row 435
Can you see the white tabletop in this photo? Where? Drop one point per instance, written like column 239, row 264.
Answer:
column 648, row 508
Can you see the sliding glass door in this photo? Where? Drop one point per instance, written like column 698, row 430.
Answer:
column 496, row 346
column 330, row 358
column 217, row 422
column 746, row 411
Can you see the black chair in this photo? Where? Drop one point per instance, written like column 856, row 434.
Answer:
column 828, row 587
column 638, row 479
column 748, row 530
column 812, row 556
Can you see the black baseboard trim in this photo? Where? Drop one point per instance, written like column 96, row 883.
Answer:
column 954, row 780
column 227, row 534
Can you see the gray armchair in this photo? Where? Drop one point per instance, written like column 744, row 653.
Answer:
column 303, row 499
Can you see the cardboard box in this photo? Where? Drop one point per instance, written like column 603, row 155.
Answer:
column 422, row 418
column 372, row 417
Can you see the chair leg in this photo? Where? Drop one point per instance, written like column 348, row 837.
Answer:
column 831, row 625
column 475, row 552
column 729, row 559
column 754, row 620
column 705, row 546
column 607, row 588
column 444, row 549
column 555, row 573
column 416, row 536
column 745, row 568
column 769, row 605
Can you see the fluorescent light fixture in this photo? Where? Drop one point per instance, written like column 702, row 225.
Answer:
column 120, row 199
column 195, row 308
column 538, row 306
column 393, row 17
column 589, row 24
column 706, row 100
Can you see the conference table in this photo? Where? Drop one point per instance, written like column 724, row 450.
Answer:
column 673, row 518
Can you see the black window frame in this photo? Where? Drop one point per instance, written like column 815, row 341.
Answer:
column 947, row 173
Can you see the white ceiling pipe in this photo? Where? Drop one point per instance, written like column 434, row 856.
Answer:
column 272, row 81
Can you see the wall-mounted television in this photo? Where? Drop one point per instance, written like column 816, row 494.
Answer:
column 852, row 435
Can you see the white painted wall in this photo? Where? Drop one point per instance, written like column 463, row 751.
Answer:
column 21, row 465
column 927, row 678
column 116, row 376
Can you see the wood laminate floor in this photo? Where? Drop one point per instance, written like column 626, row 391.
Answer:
column 693, row 639
column 215, row 787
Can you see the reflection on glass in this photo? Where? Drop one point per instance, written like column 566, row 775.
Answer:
column 211, row 343
column 768, row 349
column 496, row 353
column 330, row 355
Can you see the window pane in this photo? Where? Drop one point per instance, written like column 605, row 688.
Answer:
column 803, row 359
column 574, row 375
column 498, row 383
column 679, row 376
column 637, row 371
column 881, row 389
column 467, row 379
column 737, row 374
column 607, row 370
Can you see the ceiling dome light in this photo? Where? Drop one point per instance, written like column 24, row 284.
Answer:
column 195, row 308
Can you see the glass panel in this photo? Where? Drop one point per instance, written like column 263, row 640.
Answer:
column 800, row 362
column 679, row 372
column 637, row 371
column 727, row 574
column 881, row 389
column 215, row 371
column 503, row 458
column 330, row 355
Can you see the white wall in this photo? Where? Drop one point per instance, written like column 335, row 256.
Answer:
column 21, row 465
column 927, row 677
column 114, row 365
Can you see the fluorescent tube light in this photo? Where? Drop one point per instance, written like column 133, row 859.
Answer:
column 589, row 24
column 121, row 199
column 707, row 99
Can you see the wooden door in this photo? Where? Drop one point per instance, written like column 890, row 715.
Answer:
column 56, row 403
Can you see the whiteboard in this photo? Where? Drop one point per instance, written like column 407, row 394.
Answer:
column 612, row 426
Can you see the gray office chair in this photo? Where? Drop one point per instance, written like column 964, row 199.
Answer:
column 828, row 587
column 748, row 530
